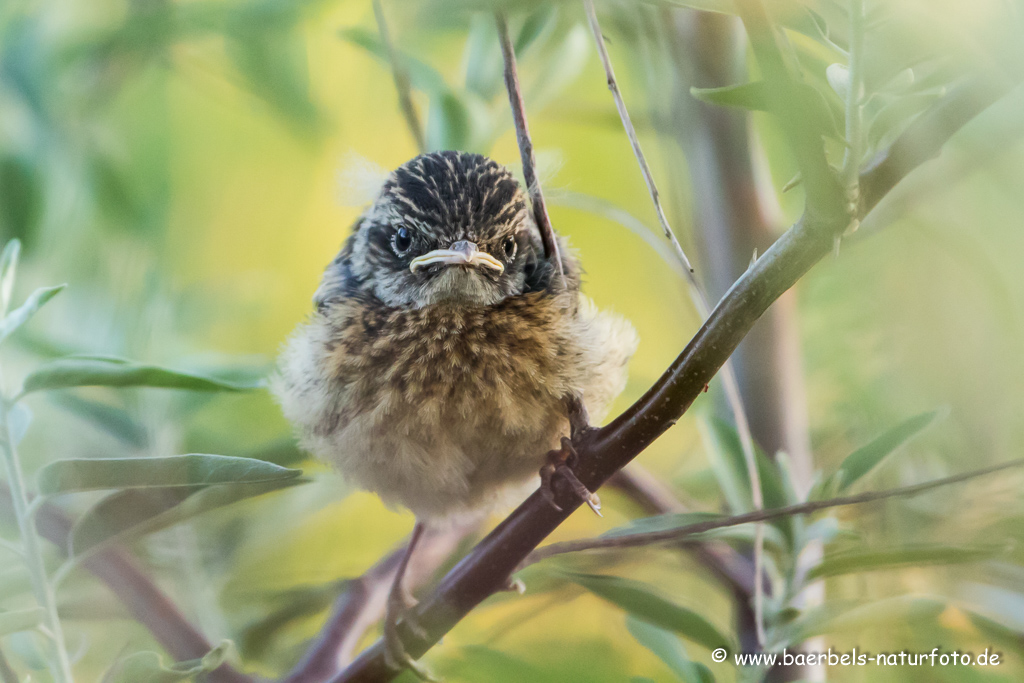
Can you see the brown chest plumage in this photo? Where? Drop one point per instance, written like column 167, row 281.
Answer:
column 465, row 360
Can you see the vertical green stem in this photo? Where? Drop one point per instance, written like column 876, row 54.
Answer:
column 60, row 664
column 854, row 109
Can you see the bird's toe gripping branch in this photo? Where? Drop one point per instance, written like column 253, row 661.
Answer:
column 560, row 465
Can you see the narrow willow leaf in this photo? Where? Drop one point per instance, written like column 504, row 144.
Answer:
column 894, row 558
column 744, row 533
column 667, row 647
column 644, row 603
column 136, row 512
column 91, row 474
column 867, row 458
column 997, row 632
column 21, row 620
column 8, row 269
column 751, row 96
column 86, row 371
column 423, row 76
column 22, row 314
column 123, row 511
column 19, row 417
column 148, row 667
column 839, row 78
column 850, row 617
column 111, row 419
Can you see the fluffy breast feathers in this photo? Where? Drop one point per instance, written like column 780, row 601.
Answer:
column 441, row 408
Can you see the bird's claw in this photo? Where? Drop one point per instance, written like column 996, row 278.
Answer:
column 561, row 463
column 400, row 604
column 397, row 659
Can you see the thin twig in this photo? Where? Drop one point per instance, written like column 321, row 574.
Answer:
column 731, row 386
column 602, row 453
column 401, row 77
column 515, row 99
column 627, row 123
column 681, row 533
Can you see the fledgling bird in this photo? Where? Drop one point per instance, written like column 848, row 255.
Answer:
column 447, row 354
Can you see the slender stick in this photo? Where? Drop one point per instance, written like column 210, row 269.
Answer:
column 681, row 533
column 486, row 569
column 515, row 98
column 627, row 123
column 401, row 77
column 60, row 663
column 731, row 386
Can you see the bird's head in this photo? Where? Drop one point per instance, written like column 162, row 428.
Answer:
column 447, row 226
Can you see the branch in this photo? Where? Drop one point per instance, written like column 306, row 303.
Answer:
column 681, row 533
column 721, row 559
column 485, row 570
column 732, row 388
column 515, row 98
column 140, row 596
column 401, row 77
column 363, row 602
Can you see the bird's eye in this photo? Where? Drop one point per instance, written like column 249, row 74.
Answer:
column 402, row 241
column 509, row 247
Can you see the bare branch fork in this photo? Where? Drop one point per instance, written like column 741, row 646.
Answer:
column 485, row 570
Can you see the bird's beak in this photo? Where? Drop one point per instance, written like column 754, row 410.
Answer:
column 461, row 253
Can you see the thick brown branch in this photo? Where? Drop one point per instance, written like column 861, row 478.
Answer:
column 515, row 98
column 486, row 569
column 141, row 597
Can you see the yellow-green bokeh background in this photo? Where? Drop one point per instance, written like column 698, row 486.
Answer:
column 920, row 310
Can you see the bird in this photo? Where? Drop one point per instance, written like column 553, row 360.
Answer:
column 449, row 358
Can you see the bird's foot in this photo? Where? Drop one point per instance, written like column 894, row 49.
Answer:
column 515, row 585
column 560, row 464
column 399, row 606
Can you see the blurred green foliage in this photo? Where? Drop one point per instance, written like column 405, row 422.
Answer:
column 177, row 164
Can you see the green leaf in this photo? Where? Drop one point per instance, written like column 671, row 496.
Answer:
column 838, row 77
column 8, row 269
column 666, row 646
column 194, row 469
column 867, row 458
column 21, row 620
column 21, row 315
column 744, row 533
column 836, row 564
column 111, row 419
column 644, row 603
column 423, row 76
column 852, row 616
column 137, row 512
column 997, row 632
column 148, row 667
column 752, row 96
column 82, row 371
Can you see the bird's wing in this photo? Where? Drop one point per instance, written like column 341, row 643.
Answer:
column 338, row 280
